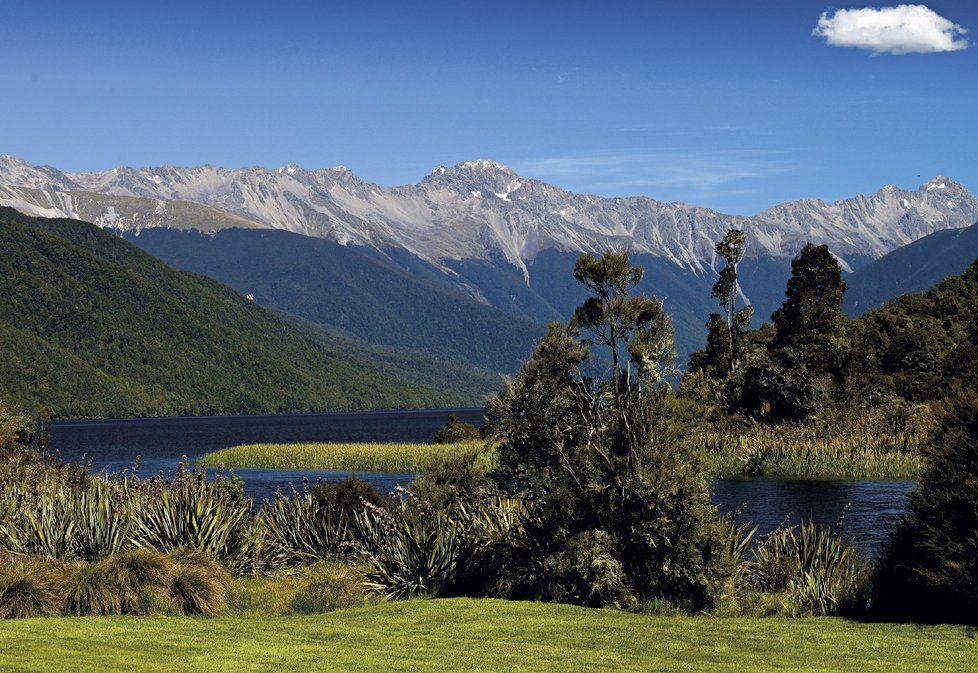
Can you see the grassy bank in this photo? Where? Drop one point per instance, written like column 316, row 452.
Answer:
column 367, row 457
column 778, row 452
column 479, row 635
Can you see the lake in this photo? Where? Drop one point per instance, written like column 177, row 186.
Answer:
column 870, row 506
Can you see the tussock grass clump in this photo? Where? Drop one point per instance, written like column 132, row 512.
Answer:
column 143, row 578
column 366, row 457
column 197, row 590
column 28, row 588
column 331, row 587
column 90, row 589
column 200, row 584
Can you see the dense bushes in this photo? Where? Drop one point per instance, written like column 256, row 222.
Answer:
column 455, row 430
column 929, row 569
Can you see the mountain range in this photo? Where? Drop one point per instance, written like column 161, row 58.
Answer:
column 477, row 210
column 468, row 264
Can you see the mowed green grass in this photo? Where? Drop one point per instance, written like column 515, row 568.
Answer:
column 369, row 457
column 480, row 635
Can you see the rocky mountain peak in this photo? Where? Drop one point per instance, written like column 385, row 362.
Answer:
column 941, row 182
column 290, row 169
column 482, row 178
column 14, row 170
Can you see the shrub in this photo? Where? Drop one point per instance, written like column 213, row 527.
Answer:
column 454, row 477
column 191, row 513
column 101, row 525
column 816, row 570
column 346, row 497
column 586, row 572
column 40, row 524
column 455, row 431
column 300, row 531
column 929, row 567
column 418, row 550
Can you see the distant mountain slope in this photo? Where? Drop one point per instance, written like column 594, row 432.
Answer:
column 131, row 213
column 915, row 267
column 429, row 310
column 91, row 325
column 353, row 288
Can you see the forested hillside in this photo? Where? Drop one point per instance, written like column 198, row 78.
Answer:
column 356, row 289
column 92, row 326
column 915, row 267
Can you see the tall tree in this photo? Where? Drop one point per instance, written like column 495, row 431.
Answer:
column 803, row 366
column 810, row 318
column 619, row 505
column 637, row 325
column 726, row 289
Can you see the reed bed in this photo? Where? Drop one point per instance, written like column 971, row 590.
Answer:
column 353, row 457
column 870, row 447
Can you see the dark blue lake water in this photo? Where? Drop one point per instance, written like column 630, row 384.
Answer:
column 161, row 442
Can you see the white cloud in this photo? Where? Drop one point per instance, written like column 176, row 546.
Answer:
column 905, row 29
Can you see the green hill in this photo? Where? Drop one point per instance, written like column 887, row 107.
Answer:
column 918, row 345
column 92, row 326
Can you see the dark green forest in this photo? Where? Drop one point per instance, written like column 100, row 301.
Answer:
column 92, row 326
column 811, row 357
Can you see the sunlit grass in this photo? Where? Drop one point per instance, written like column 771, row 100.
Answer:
column 479, row 635
column 360, row 457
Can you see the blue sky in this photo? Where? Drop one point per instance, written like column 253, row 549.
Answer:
column 732, row 105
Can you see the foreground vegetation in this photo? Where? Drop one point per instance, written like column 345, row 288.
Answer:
column 483, row 635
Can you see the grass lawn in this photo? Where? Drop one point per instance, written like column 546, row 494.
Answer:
column 479, row 635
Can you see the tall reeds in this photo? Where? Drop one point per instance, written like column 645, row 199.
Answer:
column 872, row 445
